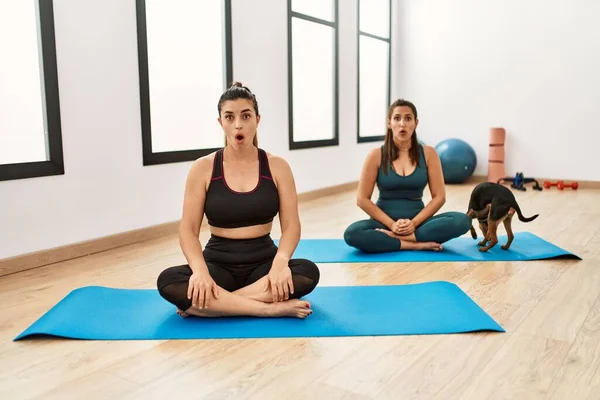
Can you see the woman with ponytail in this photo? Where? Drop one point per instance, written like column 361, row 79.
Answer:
column 240, row 188
column 402, row 168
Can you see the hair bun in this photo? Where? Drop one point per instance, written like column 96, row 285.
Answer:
column 235, row 84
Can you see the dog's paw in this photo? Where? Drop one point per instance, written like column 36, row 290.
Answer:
column 504, row 247
column 483, row 249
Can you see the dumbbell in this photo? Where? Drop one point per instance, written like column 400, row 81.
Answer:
column 548, row 184
column 561, row 185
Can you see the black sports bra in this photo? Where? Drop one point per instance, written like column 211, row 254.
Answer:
column 226, row 208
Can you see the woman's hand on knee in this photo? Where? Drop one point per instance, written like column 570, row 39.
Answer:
column 280, row 281
column 201, row 289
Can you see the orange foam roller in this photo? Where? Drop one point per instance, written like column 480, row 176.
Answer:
column 496, row 168
column 496, row 153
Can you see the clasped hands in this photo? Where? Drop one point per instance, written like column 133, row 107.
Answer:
column 402, row 227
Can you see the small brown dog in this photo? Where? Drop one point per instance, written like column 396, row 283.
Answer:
column 492, row 203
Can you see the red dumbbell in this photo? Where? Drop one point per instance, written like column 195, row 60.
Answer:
column 548, row 184
column 561, row 185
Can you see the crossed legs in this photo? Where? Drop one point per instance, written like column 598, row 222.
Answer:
column 371, row 236
column 251, row 299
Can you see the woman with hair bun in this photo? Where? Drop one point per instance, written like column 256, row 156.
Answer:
column 240, row 188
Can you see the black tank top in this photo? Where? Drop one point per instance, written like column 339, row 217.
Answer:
column 226, row 208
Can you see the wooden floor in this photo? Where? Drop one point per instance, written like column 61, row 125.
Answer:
column 550, row 310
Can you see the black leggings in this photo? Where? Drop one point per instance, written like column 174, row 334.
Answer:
column 234, row 264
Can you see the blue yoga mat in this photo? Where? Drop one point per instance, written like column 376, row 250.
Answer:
column 101, row 313
column 525, row 246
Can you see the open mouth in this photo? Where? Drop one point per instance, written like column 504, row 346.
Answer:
column 239, row 137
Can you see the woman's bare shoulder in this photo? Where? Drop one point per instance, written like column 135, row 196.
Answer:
column 201, row 168
column 429, row 152
column 276, row 161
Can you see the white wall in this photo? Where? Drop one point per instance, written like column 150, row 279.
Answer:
column 106, row 190
column 529, row 66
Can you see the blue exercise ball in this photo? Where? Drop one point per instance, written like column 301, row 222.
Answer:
column 458, row 160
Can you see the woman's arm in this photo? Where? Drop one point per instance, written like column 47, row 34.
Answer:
column 289, row 217
column 436, row 187
column 280, row 276
column 193, row 212
column 366, row 184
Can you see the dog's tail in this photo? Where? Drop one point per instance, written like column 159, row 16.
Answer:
column 521, row 217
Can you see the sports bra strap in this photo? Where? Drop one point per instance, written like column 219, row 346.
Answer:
column 265, row 171
column 217, row 171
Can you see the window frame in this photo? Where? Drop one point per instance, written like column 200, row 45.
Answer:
column 311, row 144
column 51, row 106
column 359, row 33
column 166, row 157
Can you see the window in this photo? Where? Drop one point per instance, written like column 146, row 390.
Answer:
column 313, row 73
column 374, row 66
column 184, row 50
column 30, row 127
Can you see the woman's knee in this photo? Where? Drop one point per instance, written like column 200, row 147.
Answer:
column 462, row 223
column 354, row 232
column 179, row 274
column 458, row 224
column 349, row 235
column 306, row 276
column 164, row 278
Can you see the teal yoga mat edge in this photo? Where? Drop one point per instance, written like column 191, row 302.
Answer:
column 488, row 324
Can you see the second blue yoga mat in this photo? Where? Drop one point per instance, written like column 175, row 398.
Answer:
column 101, row 313
column 525, row 246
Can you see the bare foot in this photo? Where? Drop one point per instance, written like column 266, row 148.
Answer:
column 182, row 313
column 291, row 308
column 410, row 245
column 421, row 246
column 429, row 246
column 406, row 238
column 387, row 232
